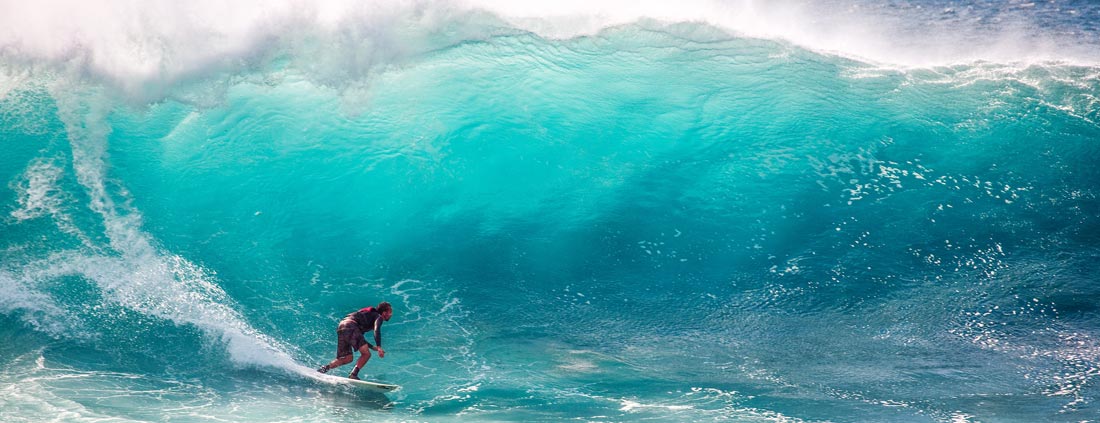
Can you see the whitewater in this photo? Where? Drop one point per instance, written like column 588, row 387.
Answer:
column 746, row 211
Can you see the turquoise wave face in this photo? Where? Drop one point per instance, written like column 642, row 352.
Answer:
column 651, row 223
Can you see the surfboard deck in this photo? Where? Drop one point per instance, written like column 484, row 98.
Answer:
column 373, row 386
column 360, row 384
column 365, row 385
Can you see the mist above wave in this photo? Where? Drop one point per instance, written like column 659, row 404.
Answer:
column 147, row 47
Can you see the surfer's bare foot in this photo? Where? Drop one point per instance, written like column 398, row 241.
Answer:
column 353, row 377
column 323, row 369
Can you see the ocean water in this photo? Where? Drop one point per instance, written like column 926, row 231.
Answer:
column 581, row 211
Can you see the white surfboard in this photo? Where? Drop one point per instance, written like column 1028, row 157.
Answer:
column 364, row 384
column 339, row 380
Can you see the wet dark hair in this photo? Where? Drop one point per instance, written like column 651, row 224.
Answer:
column 384, row 307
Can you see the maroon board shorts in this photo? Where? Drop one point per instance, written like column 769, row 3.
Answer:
column 348, row 338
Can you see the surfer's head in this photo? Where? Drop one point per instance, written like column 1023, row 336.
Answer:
column 386, row 310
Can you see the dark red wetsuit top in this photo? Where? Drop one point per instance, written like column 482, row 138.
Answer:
column 368, row 319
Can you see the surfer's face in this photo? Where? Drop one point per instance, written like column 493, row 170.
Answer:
column 387, row 315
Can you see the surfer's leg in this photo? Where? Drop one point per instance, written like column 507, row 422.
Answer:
column 339, row 361
column 346, row 344
column 364, row 355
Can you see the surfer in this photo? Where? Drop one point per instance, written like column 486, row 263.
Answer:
column 349, row 337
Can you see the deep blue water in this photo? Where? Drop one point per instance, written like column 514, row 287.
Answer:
column 731, row 211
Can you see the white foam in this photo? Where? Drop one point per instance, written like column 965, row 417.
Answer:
column 131, row 272
column 38, row 309
column 628, row 406
column 10, row 79
column 144, row 45
column 18, row 400
column 38, row 194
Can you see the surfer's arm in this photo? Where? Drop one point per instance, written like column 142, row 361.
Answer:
column 378, row 332
column 377, row 345
column 378, row 337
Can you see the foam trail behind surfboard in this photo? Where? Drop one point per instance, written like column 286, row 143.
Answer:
column 131, row 271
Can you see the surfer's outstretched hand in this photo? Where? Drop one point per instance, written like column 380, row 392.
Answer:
column 381, row 353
